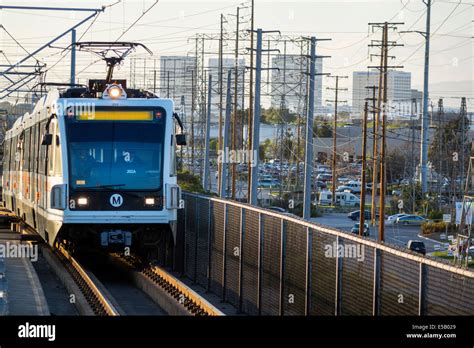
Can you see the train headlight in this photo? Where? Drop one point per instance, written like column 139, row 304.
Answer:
column 149, row 201
column 82, row 201
column 114, row 91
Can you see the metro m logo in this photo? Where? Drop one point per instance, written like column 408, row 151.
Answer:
column 116, row 200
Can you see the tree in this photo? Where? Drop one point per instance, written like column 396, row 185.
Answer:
column 276, row 116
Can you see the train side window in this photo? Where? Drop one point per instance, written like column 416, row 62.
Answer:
column 26, row 150
column 57, row 153
column 173, row 155
column 6, row 155
column 52, row 152
column 42, row 150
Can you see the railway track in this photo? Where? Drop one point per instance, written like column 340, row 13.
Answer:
column 98, row 301
column 165, row 289
column 186, row 297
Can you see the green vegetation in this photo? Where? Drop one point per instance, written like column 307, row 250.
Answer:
column 434, row 227
column 277, row 116
column 189, row 182
column 444, row 255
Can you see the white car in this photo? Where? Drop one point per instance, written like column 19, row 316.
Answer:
column 393, row 218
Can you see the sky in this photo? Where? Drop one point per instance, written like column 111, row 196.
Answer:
column 167, row 28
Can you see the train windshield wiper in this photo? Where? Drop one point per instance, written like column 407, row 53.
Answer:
column 104, row 186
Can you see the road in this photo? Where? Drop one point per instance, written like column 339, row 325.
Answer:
column 394, row 234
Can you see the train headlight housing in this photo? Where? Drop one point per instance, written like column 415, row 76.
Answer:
column 82, row 201
column 149, row 201
column 114, row 91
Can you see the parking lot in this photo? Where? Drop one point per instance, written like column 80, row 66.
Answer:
column 394, row 233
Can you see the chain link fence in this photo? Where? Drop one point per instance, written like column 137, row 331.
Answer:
column 267, row 263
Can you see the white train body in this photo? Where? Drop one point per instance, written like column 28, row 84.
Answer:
column 94, row 169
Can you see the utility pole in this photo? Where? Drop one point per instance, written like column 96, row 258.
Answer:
column 308, row 165
column 73, row 56
column 463, row 114
column 334, row 134
column 383, row 147
column 425, row 116
column 413, row 161
column 256, row 116
column 440, row 141
column 206, row 179
column 362, row 193
column 375, row 114
column 221, row 96
column 282, row 118
column 424, row 128
column 250, row 113
column 228, row 110
column 236, row 95
column 193, row 111
column 383, row 87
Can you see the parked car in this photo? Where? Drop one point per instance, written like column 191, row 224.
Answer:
column 393, row 218
column 268, row 183
column 278, row 209
column 345, row 199
column 351, row 186
column 417, row 246
column 355, row 215
column 324, row 177
column 415, row 220
column 355, row 229
column 319, row 184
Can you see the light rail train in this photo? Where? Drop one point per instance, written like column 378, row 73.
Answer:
column 96, row 166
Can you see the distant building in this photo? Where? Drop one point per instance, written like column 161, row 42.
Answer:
column 399, row 88
column 175, row 76
column 289, row 79
column 416, row 94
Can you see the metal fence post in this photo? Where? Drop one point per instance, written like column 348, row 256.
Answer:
column 185, row 259
column 259, row 263
column 376, row 281
column 282, row 263
column 209, row 248
column 224, row 253
column 241, row 255
column 337, row 309
column 309, row 238
column 196, row 239
column 421, row 292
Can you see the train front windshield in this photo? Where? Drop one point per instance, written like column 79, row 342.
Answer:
column 116, row 151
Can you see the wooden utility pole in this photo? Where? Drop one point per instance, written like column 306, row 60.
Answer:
column 382, row 108
column 334, row 133
column 362, row 192
column 383, row 144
